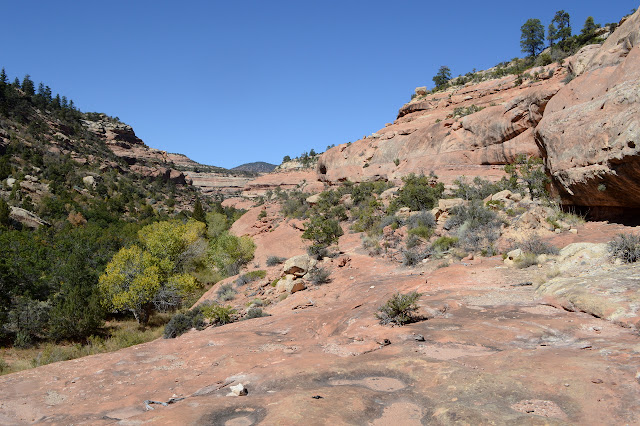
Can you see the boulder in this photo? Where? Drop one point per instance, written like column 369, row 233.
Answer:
column 421, row 91
column 513, row 256
column 299, row 265
column 290, row 284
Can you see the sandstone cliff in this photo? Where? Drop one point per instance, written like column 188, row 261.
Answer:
column 590, row 132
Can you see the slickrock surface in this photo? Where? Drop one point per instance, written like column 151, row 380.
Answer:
column 490, row 350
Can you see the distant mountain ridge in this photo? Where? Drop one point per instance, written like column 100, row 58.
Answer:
column 256, row 167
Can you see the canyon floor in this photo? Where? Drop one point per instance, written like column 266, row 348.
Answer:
column 489, row 349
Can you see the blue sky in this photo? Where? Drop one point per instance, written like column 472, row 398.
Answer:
column 239, row 81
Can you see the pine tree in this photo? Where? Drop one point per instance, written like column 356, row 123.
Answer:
column 562, row 24
column 27, row 86
column 552, row 34
column 442, row 77
column 532, row 38
column 3, row 77
column 589, row 27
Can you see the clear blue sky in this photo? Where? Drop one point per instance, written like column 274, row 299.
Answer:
column 239, row 81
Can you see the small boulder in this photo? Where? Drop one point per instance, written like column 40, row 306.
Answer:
column 513, row 256
column 238, row 390
column 421, row 91
column 299, row 265
column 389, row 194
column 313, row 199
column 290, row 284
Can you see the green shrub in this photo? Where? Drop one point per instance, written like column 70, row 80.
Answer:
column 625, row 247
column 477, row 226
column 422, row 219
column 218, row 314
column 275, row 260
column 368, row 218
column 180, row 323
column 229, row 253
column 531, row 171
column 295, row 205
column 422, row 232
column 444, row 243
column 392, row 220
column 417, row 193
column 400, row 309
column 323, row 232
column 480, row 188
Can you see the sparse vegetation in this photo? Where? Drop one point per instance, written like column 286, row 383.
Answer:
column 535, row 245
column 400, row 309
column 464, row 111
column 477, row 227
column 319, row 276
column 275, row 260
column 255, row 312
column 226, row 292
column 625, row 247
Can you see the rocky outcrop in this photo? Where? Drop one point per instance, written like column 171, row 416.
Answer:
column 26, row 218
column 470, row 130
column 590, row 132
column 304, row 180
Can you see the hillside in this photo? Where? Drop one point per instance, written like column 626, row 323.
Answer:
column 256, row 167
